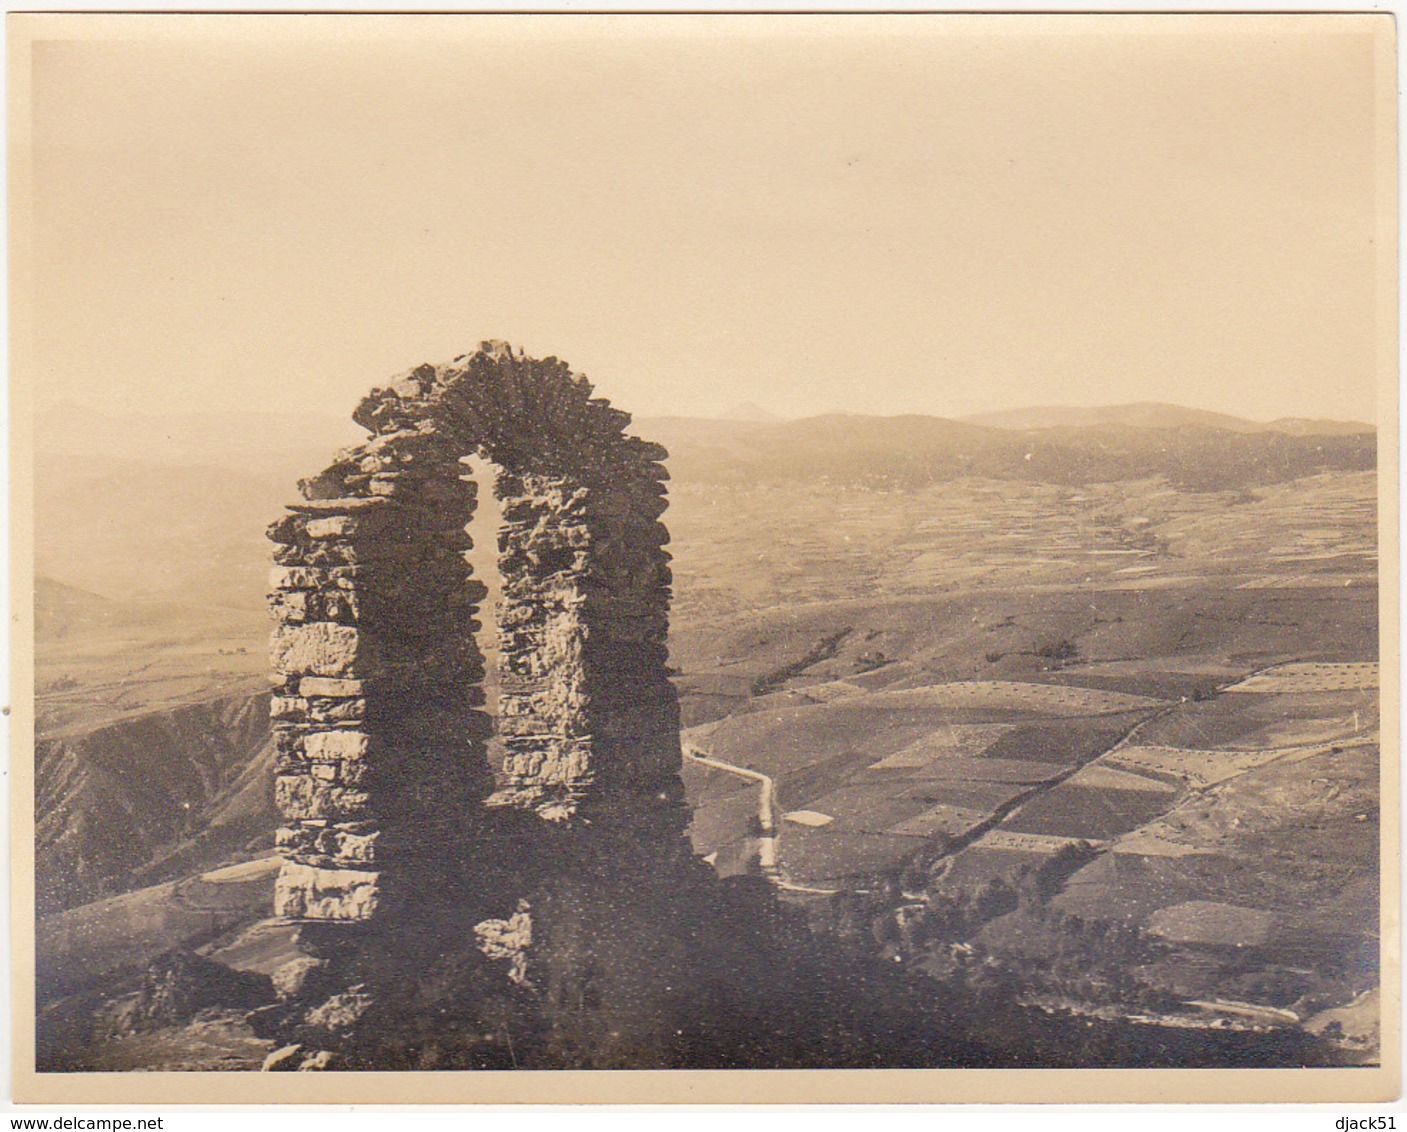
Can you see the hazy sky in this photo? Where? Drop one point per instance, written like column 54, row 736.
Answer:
column 903, row 214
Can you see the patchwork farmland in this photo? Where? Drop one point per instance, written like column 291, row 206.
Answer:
column 1180, row 744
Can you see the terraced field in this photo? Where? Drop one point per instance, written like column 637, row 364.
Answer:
column 1086, row 813
column 1045, row 700
column 1013, row 841
column 954, row 741
column 1318, row 677
column 1195, row 768
column 938, row 693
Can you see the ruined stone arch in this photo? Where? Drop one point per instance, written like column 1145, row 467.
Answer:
column 381, row 761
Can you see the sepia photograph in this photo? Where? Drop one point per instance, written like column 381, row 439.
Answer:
column 551, row 547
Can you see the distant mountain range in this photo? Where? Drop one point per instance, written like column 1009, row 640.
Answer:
column 1157, row 414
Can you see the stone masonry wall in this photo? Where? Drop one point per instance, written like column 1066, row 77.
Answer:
column 382, row 762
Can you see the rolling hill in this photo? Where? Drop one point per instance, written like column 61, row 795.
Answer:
column 909, row 452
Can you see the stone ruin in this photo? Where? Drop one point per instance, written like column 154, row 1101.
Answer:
column 383, row 778
column 548, row 912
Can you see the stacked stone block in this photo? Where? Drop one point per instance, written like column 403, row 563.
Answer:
column 544, row 720
column 588, row 716
column 634, row 708
column 379, row 743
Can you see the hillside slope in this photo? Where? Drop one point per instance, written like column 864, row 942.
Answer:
column 143, row 798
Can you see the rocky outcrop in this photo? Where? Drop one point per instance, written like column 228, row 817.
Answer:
column 174, row 988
